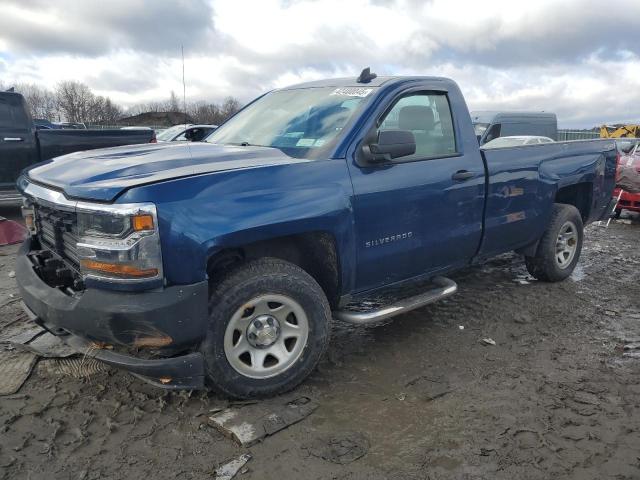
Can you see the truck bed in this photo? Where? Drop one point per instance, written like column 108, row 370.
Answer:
column 522, row 180
column 54, row 143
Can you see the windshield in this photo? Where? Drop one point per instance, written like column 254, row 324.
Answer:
column 168, row 134
column 480, row 128
column 299, row 122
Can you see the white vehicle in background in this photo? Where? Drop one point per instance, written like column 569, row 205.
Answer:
column 490, row 125
column 516, row 141
column 186, row 133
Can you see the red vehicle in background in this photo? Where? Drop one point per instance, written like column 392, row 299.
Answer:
column 628, row 201
column 628, row 179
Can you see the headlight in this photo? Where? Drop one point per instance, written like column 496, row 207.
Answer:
column 119, row 243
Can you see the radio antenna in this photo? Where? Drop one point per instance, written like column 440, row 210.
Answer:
column 184, row 90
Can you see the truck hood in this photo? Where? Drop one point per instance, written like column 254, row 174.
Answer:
column 101, row 175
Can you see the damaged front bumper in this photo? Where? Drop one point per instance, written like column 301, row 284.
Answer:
column 101, row 323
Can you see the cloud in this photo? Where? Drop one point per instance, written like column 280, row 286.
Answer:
column 579, row 58
column 97, row 28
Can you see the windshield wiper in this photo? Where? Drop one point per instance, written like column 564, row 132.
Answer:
column 247, row 144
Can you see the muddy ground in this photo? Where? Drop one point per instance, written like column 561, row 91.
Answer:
column 416, row 398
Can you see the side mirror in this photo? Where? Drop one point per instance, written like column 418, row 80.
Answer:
column 390, row 144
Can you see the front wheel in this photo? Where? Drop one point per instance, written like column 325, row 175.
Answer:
column 269, row 326
column 560, row 246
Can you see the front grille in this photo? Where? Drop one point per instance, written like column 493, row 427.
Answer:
column 58, row 231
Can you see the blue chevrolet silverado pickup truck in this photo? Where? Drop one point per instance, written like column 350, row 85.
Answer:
column 223, row 263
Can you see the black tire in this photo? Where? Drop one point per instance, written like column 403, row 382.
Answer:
column 544, row 265
column 617, row 213
column 245, row 282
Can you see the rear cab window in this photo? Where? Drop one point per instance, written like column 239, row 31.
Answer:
column 6, row 114
column 13, row 113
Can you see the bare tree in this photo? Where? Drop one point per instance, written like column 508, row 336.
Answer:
column 173, row 105
column 111, row 112
column 42, row 102
column 74, row 100
column 202, row 112
column 199, row 112
column 229, row 107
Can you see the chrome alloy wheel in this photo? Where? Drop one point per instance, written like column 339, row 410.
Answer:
column 266, row 336
column 567, row 244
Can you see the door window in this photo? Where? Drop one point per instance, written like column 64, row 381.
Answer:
column 428, row 117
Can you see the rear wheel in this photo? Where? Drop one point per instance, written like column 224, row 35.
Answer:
column 560, row 246
column 268, row 328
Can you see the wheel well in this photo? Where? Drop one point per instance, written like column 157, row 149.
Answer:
column 314, row 252
column 578, row 195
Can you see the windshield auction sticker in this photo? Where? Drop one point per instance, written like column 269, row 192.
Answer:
column 352, row 91
column 306, row 142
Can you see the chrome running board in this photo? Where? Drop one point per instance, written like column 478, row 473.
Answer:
column 445, row 288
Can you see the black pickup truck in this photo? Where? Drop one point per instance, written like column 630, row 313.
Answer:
column 22, row 145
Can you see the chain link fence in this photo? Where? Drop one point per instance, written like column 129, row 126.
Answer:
column 108, row 127
column 564, row 134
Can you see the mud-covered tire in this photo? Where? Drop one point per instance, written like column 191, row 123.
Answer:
column 547, row 264
column 260, row 279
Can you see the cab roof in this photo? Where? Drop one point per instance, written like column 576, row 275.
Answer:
column 353, row 82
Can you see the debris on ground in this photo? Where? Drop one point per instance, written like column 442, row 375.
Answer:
column 15, row 368
column 488, row 341
column 11, row 232
column 230, row 469
column 339, row 448
column 524, row 279
column 24, row 337
column 46, row 345
column 252, row 423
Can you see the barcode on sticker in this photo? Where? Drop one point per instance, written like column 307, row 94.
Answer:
column 352, row 91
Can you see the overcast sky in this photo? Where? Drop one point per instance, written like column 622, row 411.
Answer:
column 578, row 58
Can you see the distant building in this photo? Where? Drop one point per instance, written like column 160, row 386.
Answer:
column 156, row 119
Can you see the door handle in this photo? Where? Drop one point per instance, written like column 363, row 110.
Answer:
column 462, row 175
column 12, row 139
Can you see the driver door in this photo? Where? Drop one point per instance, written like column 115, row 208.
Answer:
column 420, row 214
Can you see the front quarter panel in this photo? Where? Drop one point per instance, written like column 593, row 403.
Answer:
column 202, row 215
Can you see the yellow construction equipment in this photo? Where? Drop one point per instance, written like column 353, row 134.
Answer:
column 623, row 131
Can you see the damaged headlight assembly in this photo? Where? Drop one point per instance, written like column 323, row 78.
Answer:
column 119, row 243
